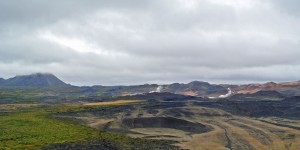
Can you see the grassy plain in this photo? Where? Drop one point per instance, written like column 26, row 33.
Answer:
column 34, row 127
column 33, row 130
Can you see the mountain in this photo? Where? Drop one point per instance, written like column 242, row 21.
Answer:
column 34, row 80
column 286, row 88
column 2, row 81
column 195, row 88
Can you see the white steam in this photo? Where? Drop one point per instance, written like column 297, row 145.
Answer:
column 158, row 89
column 226, row 95
column 223, row 96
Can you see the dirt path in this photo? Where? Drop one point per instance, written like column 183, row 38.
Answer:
column 229, row 142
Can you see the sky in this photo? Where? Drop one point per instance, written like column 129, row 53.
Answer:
column 125, row 42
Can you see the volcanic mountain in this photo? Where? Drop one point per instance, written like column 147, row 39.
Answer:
column 2, row 81
column 33, row 80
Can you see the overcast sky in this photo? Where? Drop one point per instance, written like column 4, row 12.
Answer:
column 122, row 42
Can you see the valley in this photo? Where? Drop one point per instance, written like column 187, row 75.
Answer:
column 69, row 117
column 192, row 126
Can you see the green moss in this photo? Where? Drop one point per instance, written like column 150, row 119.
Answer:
column 33, row 130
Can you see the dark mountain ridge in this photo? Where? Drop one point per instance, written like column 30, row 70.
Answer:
column 2, row 81
column 258, row 96
column 163, row 96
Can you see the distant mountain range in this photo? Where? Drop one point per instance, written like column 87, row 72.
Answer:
column 195, row 88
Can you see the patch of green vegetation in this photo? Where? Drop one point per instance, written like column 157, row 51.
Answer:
column 35, row 129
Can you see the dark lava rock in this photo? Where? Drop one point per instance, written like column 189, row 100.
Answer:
column 165, row 122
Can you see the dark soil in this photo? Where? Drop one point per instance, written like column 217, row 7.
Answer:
column 165, row 122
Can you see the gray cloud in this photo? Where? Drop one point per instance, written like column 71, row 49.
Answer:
column 289, row 6
column 134, row 42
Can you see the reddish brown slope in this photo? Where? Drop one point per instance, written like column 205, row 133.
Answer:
column 289, row 88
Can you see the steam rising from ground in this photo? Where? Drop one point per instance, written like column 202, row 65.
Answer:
column 223, row 96
column 226, row 95
column 158, row 89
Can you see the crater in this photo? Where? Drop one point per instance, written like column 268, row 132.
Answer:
column 165, row 122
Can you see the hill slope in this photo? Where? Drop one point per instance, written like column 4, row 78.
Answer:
column 287, row 88
column 258, row 96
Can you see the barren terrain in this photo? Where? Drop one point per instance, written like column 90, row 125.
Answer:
column 194, row 127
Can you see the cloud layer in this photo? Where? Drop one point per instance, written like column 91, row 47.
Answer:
column 134, row 42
